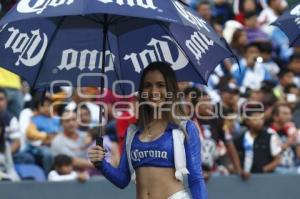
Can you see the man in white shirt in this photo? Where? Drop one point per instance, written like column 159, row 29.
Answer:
column 251, row 72
column 271, row 12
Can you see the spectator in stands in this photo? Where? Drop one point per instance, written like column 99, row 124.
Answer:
column 265, row 96
column 41, row 130
column 70, row 142
column 38, row 145
column 85, row 119
column 254, row 32
column 44, row 119
column 243, row 6
column 7, row 170
column 239, row 42
column 11, row 83
column 222, row 11
column 85, row 96
column 255, row 95
column 259, row 149
column 268, row 63
column 271, row 12
column 191, row 95
column 292, row 93
column 250, row 74
column 210, row 126
column 279, row 40
column 229, row 104
column 211, row 150
column 204, row 9
column 64, row 171
column 26, row 92
column 230, row 96
column 285, row 78
column 285, row 128
column 294, row 66
column 11, row 124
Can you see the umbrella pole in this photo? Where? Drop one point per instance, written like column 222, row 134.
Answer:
column 105, row 30
column 99, row 139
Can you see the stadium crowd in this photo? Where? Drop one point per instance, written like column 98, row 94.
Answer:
column 248, row 115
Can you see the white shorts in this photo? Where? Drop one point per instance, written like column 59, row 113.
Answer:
column 180, row 195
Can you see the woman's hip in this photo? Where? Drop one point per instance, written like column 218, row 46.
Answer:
column 180, row 195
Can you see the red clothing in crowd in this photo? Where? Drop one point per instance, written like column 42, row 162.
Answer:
column 122, row 125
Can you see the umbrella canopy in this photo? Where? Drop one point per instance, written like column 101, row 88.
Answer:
column 76, row 42
column 289, row 23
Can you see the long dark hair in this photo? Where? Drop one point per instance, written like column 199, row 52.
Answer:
column 2, row 135
column 239, row 49
column 145, row 112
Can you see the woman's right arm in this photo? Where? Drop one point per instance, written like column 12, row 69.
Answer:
column 119, row 176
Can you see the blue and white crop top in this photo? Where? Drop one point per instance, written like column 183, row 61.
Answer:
column 158, row 153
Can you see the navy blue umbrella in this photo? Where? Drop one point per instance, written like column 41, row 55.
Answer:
column 289, row 23
column 47, row 41
column 99, row 42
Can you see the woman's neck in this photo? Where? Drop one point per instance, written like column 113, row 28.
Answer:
column 157, row 122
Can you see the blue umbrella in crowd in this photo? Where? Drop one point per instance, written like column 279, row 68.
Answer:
column 98, row 42
column 289, row 23
column 47, row 41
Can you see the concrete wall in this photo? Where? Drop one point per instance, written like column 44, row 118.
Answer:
column 258, row 187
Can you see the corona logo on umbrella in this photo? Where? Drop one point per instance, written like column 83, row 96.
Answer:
column 54, row 40
column 199, row 23
column 198, row 44
column 147, row 4
column 156, row 50
column 91, row 59
column 30, row 47
column 159, row 50
column 26, row 6
column 296, row 12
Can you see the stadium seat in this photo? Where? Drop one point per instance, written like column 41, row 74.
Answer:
column 30, row 172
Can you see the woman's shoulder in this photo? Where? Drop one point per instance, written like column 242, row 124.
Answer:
column 188, row 123
column 190, row 127
column 131, row 130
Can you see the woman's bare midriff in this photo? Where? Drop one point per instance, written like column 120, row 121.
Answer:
column 156, row 183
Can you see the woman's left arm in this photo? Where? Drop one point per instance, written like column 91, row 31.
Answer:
column 193, row 159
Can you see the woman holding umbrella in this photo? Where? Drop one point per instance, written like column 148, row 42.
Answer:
column 161, row 149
